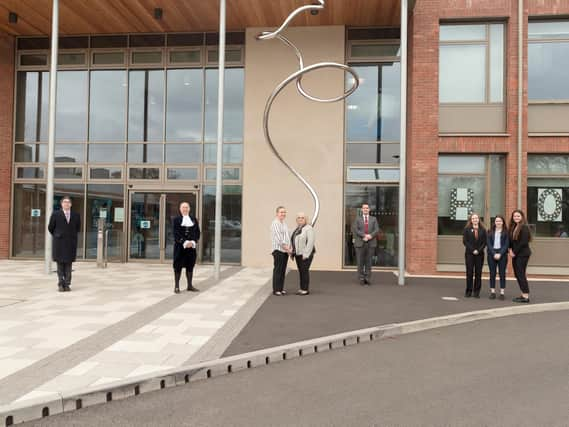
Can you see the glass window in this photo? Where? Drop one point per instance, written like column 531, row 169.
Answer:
column 106, row 153
column 462, row 164
column 76, row 58
column 144, row 173
column 185, row 56
column 372, row 153
column 68, row 173
column 471, row 63
column 233, row 108
column 184, row 105
column 106, row 172
column 230, row 223
column 108, row 58
column 191, row 174
column 232, row 153
column 374, row 50
column 28, row 221
column 146, row 105
column 373, row 111
column 71, row 111
column 69, row 153
column 32, row 105
column 231, row 174
column 373, row 174
column 105, row 201
column 108, row 106
column 231, row 55
column 33, row 59
column 30, row 153
column 147, row 57
column 543, row 164
column 548, row 61
column 384, row 205
column 30, row 173
column 183, row 153
column 144, row 153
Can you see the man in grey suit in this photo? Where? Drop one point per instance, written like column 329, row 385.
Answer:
column 365, row 230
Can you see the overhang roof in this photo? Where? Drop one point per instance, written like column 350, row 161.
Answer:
column 137, row 16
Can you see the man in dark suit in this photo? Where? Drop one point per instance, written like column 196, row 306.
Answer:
column 365, row 230
column 64, row 226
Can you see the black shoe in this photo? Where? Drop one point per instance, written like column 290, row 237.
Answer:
column 476, row 295
column 192, row 289
column 492, row 295
column 521, row 299
column 501, row 297
column 362, row 282
column 61, row 289
column 176, row 290
column 67, row 289
column 467, row 294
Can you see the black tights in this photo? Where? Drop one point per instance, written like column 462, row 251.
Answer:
column 178, row 274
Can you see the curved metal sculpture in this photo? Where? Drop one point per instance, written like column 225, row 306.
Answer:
column 298, row 77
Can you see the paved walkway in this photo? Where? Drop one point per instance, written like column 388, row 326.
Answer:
column 116, row 323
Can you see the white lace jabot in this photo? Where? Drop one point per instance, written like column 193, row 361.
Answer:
column 187, row 222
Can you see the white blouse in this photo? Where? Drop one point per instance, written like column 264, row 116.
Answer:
column 187, row 222
column 497, row 243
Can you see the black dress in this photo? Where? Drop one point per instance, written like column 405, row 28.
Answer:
column 184, row 257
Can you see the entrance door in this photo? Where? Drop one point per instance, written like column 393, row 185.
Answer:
column 151, row 215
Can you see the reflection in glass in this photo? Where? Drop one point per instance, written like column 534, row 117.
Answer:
column 105, row 201
column 544, row 228
column 230, row 223
column 184, row 105
column 190, row 174
column 230, row 174
column 548, row 63
column 497, row 63
column 107, row 120
column 375, row 50
column 539, row 164
column 462, row 32
column 373, row 174
column 373, row 112
column 548, row 30
column 462, row 73
column 106, row 173
column 32, row 106
column 144, row 173
column 372, row 153
column 384, row 205
column 144, row 153
column 232, row 153
column 71, row 111
column 30, row 173
column 30, row 153
column 68, row 173
column 183, row 153
column 69, row 153
column 146, row 105
column 233, row 108
column 106, row 153
column 462, row 164
column 145, row 226
column 28, row 231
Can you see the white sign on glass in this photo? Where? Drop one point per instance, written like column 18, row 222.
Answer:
column 119, row 214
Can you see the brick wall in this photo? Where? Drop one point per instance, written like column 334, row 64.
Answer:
column 6, row 120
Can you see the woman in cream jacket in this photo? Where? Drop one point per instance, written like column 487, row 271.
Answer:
column 302, row 242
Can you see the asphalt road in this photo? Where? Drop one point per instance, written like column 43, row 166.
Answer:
column 506, row 372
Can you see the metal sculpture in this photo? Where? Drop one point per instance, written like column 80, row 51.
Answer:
column 277, row 34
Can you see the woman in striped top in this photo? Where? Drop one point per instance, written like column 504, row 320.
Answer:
column 280, row 239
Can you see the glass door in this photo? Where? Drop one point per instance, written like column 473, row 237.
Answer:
column 151, row 214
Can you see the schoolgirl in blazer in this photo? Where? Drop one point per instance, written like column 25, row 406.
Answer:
column 498, row 245
column 474, row 240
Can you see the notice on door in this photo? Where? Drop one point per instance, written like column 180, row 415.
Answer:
column 36, row 213
column 119, row 214
column 145, row 224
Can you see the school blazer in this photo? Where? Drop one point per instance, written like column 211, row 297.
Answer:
column 521, row 247
column 504, row 244
column 470, row 243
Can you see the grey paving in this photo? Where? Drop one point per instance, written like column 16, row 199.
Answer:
column 33, row 368
column 338, row 304
column 508, row 372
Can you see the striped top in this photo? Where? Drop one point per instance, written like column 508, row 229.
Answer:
column 279, row 235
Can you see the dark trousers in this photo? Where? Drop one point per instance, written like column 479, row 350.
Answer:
column 303, row 271
column 178, row 274
column 501, row 266
column 279, row 270
column 64, row 274
column 520, row 264
column 363, row 256
column 474, row 271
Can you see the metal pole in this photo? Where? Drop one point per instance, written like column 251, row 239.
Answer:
column 403, row 144
column 219, row 164
column 520, row 97
column 51, row 130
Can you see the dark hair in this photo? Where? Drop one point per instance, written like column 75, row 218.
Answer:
column 65, row 198
column 469, row 222
column 279, row 208
column 515, row 229
column 504, row 226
